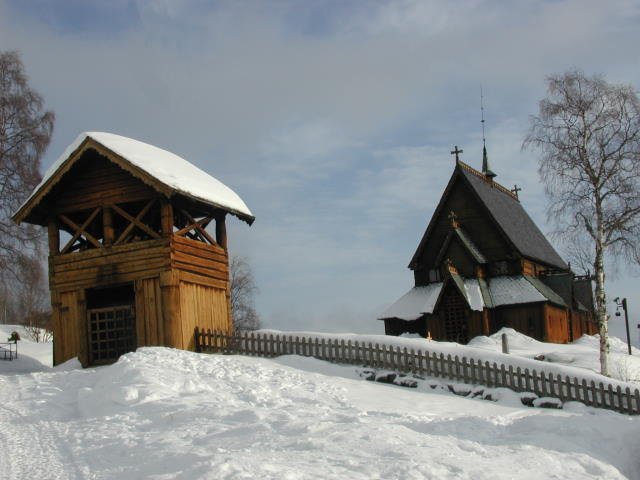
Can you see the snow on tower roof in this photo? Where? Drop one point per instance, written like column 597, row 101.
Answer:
column 174, row 172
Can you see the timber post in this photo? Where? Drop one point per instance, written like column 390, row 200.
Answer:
column 221, row 231
column 107, row 226
column 54, row 236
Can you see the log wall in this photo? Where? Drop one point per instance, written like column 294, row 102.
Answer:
column 199, row 258
column 108, row 266
column 179, row 284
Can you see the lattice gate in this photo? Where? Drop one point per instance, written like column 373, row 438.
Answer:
column 455, row 317
column 112, row 332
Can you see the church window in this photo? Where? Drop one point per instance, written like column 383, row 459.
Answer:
column 434, row 275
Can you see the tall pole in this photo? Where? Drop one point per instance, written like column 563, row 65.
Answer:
column 626, row 321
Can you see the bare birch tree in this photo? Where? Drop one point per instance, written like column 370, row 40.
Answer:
column 588, row 133
column 25, row 132
column 243, row 291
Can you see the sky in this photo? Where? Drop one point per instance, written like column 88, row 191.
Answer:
column 333, row 120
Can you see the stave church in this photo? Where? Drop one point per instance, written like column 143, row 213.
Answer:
column 483, row 264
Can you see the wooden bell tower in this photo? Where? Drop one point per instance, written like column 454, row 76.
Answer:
column 131, row 262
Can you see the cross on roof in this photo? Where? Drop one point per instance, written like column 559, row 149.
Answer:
column 515, row 190
column 455, row 152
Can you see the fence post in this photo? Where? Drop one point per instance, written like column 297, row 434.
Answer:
column 552, row 386
column 490, row 382
column 513, row 385
column 450, row 367
column 612, row 396
column 196, row 339
column 414, row 361
column 564, row 396
column 472, row 369
column 594, row 394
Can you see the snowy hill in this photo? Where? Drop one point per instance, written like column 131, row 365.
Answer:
column 160, row 413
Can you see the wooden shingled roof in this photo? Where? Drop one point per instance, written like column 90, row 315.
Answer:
column 508, row 214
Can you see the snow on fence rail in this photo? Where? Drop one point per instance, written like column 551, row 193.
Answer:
column 422, row 362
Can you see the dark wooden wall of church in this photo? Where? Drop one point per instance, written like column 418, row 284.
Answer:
column 396, row 326
column 525, row 318
column 472, row 218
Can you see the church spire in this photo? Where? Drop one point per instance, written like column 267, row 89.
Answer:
column 485, row 160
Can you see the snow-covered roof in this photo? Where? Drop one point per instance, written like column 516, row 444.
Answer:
column 168, row 168
column 420, row 300
column 474, row 295
column 413, row 304
column 503, row 290
column 513, row 289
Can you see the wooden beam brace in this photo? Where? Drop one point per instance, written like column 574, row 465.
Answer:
column 80, row 230
column 198, row 226
column 135, row 221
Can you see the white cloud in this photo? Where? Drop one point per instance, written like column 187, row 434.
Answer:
column 336, row 134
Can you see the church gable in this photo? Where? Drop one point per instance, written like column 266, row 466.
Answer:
column 458, row 253
column 476, row 222
column 512, row 219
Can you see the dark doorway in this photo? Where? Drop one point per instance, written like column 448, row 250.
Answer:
column 454, row 313
column 111, row 323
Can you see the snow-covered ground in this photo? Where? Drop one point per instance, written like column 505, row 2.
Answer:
column 583, row 353
column 160, row 413
column 579, row 359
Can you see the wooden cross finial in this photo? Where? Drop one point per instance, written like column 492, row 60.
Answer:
column 453, row 218
column 515, row 190
column 455, row 152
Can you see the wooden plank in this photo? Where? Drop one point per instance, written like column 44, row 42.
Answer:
column 95, row 281
column 104, row 198
column 199, row 253
column 159, row 311
column 201, row 271
column 83, row 334
column 125, row 258
column 204, row 262
column 171, row 305
column 116, row 270
column 110, row 270
column 106, row 252
column 140, row 313
column 150, row 295
column 197, row 244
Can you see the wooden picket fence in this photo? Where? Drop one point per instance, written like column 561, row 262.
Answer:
column 422, row 362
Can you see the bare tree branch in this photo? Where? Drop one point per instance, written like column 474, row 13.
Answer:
column 243, row 291
column 588, row 134
column 25, row 132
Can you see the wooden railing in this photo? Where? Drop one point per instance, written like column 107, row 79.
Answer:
column 422, row 362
